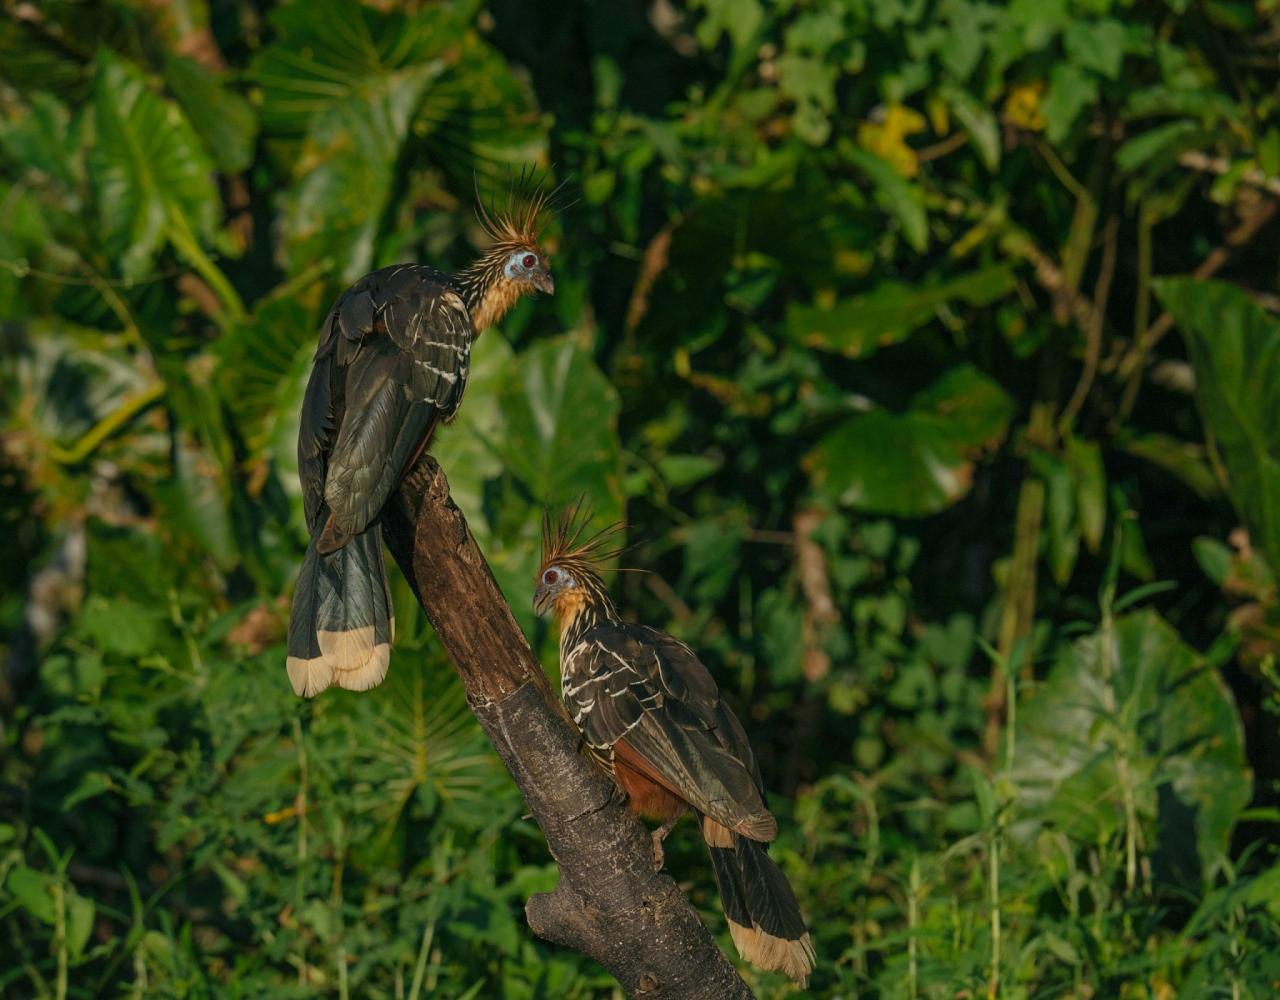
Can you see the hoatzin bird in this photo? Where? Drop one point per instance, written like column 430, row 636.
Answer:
column 391, row 365
column 652, row 718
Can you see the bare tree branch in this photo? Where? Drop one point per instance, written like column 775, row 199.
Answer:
column 610, row 904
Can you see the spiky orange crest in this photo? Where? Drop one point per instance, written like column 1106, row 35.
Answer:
column 526, row 209
column 563, row 542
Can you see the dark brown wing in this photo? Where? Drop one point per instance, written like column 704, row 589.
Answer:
column 393, row 359
column 635, row 685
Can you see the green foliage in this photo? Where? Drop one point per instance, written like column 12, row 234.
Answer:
column 917, row 462
column 858, row 325
column 1235, row 347
column 891, row 312
column 1129, row 725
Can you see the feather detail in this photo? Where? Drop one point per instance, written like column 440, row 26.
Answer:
column 764, row 918
column 392, row 361
column 341, row 625
column 714, row 834
column 370, row 674
column 495, row 302
column 526, row 212
column 308, row 676
column 794, row 959
column 650, row 711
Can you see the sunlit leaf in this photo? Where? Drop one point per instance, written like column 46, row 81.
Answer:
column 33, row 891
column 149, row 170
column 892, row 311
column 560, row 416
column 917, row 462
column 80, row 913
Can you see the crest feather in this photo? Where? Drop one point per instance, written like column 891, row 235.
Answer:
column 525, row 211
column 562, row 538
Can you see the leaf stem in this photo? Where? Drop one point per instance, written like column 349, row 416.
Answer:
column 420, row 968
column 187, row 245
column 300, row 803
column 993, row 855
column 107, row 426
column 60, row 937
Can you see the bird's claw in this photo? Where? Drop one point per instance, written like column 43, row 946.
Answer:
column 658, row 854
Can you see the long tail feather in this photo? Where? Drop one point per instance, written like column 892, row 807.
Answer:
column 341, row 626
column 764, row 917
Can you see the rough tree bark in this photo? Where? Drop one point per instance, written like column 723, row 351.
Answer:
column 609, row 904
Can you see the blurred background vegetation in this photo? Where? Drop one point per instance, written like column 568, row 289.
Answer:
column 930, row 347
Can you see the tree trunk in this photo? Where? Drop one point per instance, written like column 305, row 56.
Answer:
column 610, row 904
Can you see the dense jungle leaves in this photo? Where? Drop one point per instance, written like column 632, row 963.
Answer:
column 858, row 325
column 1131, row 721
column 920, row 461
column 151, row 174
column 1235, row 347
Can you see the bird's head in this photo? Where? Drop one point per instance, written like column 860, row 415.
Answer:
column 569, row 572
column 516, row 263
column 525, row 266
column 555, row 583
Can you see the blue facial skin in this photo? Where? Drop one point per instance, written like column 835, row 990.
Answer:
column 526, row 266
column 552, row 581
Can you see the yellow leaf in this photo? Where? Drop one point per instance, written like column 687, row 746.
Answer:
column 1022, row 106
column 887, row 138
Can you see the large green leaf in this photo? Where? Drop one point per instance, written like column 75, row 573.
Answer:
column 1235, row 347
column 560, row 442
column 151, row 175
column 467, row 448
column 897, row 195
column 918, row 462
column 536, row 428
column 224, row 119
column 1131, row 718
column 330, row 51
column 561, row 425
column 263, row 366
column 857, row 327
column 353, row 95
column 347, row 81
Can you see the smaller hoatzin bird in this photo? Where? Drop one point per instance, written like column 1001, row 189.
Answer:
column 392, row 363
column 652, row 717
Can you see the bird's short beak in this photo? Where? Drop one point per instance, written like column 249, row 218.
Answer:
column 541, row 601
column 543, row 282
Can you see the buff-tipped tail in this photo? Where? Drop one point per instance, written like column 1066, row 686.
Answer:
column 764, row 917
column 793, row 958
column 341, row 626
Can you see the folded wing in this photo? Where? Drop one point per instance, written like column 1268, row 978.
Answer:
column 393, row 360
column 637, row 687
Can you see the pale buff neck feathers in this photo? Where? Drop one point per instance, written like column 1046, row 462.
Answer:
column 495, row 303
column 568, row 604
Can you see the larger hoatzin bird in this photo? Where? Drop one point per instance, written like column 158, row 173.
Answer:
column 391, row 365
column 652, row 717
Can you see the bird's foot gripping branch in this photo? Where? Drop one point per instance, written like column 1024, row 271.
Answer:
column 610, row 904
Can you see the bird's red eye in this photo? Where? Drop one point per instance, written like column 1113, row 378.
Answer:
column 529, row 261
column 550, row 576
